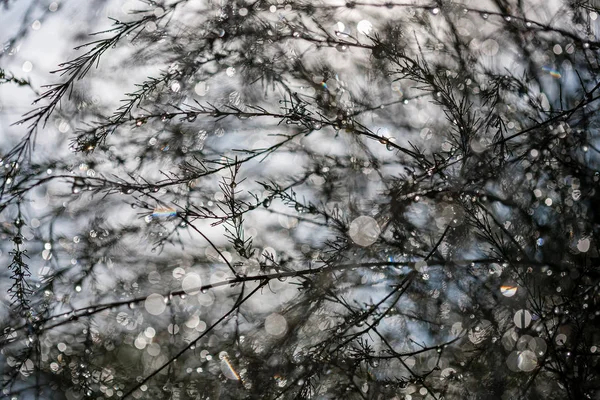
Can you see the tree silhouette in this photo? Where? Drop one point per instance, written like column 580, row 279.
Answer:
column 290, row 199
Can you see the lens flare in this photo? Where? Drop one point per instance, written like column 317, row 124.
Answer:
column 553, row 72
column 508, row 291
column 164, row 212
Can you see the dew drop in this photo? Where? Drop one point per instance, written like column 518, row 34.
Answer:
column 78, row 185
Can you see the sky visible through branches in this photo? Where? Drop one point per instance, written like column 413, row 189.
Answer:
column 299, row 200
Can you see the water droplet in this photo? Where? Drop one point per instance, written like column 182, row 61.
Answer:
column 390, row 146
column 78, row 185
column 191, row 117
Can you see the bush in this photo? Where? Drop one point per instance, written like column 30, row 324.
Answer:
column 306, row 200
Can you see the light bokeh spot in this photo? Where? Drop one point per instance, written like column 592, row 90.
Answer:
column 364, row 231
